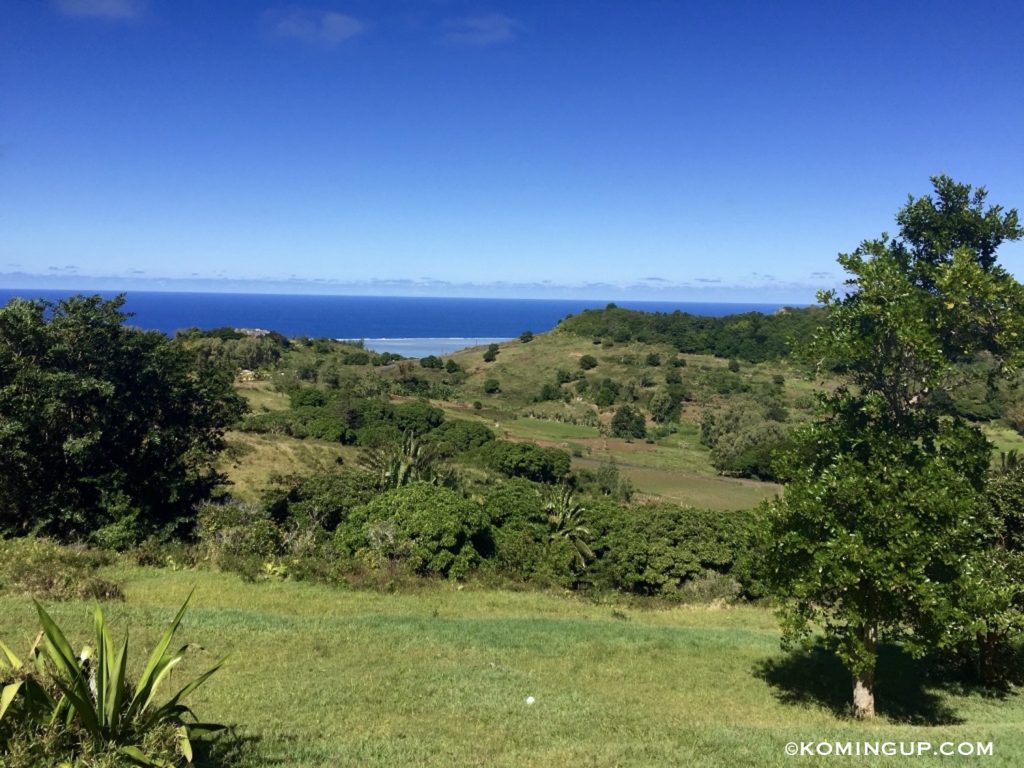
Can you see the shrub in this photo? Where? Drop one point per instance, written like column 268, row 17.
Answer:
column 543, row 465
column 418, row 417
column 549, row 392
column 355, row 358
column 526, row 336
column 459, row 436
column 628, row 422
column 607, row 392
column 653, row 359
column 743, row 442
column 433, row 529
column 588, row 362
column 307, row 397
column 88, row 699
column 492, row 353
column 432, row 361
column 238, row 537
column 47, row 570
column 664, row 407
column 656, row 549
column 492, row 386
column 317, row 504
column 516, row 513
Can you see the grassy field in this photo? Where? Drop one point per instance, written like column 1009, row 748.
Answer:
column 251, row 462
column 318, row 676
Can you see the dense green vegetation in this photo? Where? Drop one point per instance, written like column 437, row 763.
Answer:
column 750, row 336
column 108, row 432
column 624, row 458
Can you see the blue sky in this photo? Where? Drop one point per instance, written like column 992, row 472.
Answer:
column 663, row 150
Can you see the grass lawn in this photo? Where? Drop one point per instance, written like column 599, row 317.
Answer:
column 324, row 677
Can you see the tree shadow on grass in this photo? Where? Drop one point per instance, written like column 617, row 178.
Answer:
column 229, row 749
column 903, row 692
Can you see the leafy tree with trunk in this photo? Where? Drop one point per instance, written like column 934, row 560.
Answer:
column 883, row 529
column 105, row 430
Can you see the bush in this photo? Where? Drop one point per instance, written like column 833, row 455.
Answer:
column 432, row 361
column 238, row 537
column 549, row 392
column 433, row 529
column 588, row 362
column 516, row 513
column 607, row 392
column 459, row 436
column 46, row 570
column 657, row 549
column 526, row 336
column 543, row 465
column 355, row 358
column 629, row 423
column 417, row 417
column 664, row 407
column 492, row 353
column 315, row 506
column 492, row 386
column 743, row 441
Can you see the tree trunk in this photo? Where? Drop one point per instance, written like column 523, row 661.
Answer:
column 864, row 682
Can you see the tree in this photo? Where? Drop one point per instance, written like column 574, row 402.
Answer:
column 492, row 353
column 628, row 422
column 882, row 529
column 526, row 337
column 103, row 426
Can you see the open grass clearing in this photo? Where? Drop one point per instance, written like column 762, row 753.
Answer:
column 324, row 677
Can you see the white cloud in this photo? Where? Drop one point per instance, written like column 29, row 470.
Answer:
column 104, row 9
column 312, row 26
column 487, row 29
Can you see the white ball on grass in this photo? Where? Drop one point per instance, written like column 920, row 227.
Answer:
column 530, row 700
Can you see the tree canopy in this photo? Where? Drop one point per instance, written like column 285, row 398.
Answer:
column 104, row 429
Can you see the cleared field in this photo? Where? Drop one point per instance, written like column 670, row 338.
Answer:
column 724, row 493
column 323, row 677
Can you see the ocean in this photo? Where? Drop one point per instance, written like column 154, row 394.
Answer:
column 414, row 326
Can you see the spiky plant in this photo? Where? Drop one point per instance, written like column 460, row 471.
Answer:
column 90, row 694
column 398, row 464
column 565, row 522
